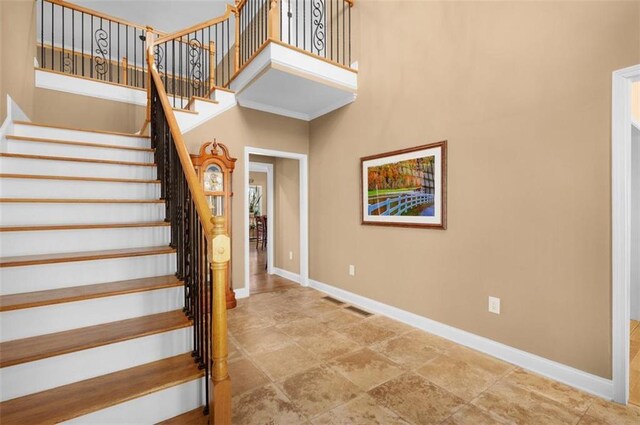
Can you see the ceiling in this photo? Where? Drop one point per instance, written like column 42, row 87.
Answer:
column 163, row 15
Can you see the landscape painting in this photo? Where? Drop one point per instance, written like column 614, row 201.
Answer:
column 406, row 187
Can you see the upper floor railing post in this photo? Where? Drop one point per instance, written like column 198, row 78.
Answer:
column 236, row 60
column 274, row 20
column 212, row 65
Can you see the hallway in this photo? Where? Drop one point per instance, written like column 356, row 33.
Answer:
column 297, row 358
column 260, row 280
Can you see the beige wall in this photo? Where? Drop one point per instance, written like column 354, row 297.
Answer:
column 522, row 92
column 238, row 128
column 17, row 40
column 287, row 212
column 286, row 182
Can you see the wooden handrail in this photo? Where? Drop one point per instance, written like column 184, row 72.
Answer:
column 230, row 9
column 101, row 15
column 204, row 213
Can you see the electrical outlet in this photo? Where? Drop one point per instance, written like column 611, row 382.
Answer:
column 352, row 270
column 290, row 255
column 494, row 305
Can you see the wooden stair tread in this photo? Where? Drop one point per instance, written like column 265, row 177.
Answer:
column 54, row 344
column 85, row 292
column 77, row 178
column 30, row 260
column 84, row 397
column 73, row 159
column 192, row 417
column 80, row 201
column 115, row 133
column 75, row 143
column 83, row 226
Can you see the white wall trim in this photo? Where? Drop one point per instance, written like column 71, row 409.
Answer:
column 304, row 211
column 273, row 109
column 260, row 167
column 576, row 378
column 295, row 277
column 14, row 113
column 621, row 226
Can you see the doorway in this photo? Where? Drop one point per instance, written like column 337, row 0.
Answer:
column 625, row 139
column 276, row 220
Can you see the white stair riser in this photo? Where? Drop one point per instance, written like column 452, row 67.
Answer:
column 44, row 167
column 79, row 136
column 19, row 213
column 65, row 189
column 17, row 280
column 41, row 375
column 25, row 323
column 60, row 241
column 151, row 408
column 59, row 149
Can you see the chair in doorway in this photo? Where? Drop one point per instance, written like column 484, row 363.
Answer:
column 261, row 234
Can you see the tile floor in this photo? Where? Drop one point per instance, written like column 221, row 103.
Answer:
column 296, row 358
column 634, row 360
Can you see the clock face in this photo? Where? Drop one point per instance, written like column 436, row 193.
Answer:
column 213, row 179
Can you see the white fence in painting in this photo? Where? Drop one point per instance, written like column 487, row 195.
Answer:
column 401, row 203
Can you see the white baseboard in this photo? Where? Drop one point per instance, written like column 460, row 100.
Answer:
column 241, row 292
column 295, row 277
column 576, row 378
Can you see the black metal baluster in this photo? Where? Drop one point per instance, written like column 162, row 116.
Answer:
column 135, row 58
column 62, row 51
column 304, row 24
column 143, row 55
column 52, row 37
column 42, row 55
column 118, row 58
column 73, row 40
column 92, row 52
column 83, row 58
column 349, row 62
column 344, row 34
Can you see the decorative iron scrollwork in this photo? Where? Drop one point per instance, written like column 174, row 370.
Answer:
column 102, row 48
column 318, row 21
column 67, row 64
column 159, row 55
column 195, row 48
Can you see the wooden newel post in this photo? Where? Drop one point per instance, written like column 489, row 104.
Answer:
column 125, row 71
column 220, row 253
column 274, row 20
column 236, row 60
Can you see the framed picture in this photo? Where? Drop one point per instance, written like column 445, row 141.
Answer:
column 406, row 188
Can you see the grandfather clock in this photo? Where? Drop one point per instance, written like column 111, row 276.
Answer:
column 214, row 167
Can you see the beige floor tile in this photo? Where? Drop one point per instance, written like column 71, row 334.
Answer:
column 554, row 390
column 318, row 307
column 318, row 390
column 590, row 420
column 262, row 340
column 513, row 403
column 407, row 350
column 614, row 413
column 361, row 411
column 481, row 360
column 339, row 318
column 247, row 322
column 471, row 415
column 303, row 328
column 234, row 352
column 287, row 316
column 265, row 405
column 245, row 376
column 285, row 361
column 416, row 399
column 367, row 333
column 328, row 345
column 394, row 326
column 366, row 368
column 465, row 380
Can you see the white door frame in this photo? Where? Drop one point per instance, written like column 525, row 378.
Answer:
column 304, row 213
column 263, row 167
column 621, row 227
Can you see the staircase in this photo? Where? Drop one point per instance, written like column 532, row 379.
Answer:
column 92, row 328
